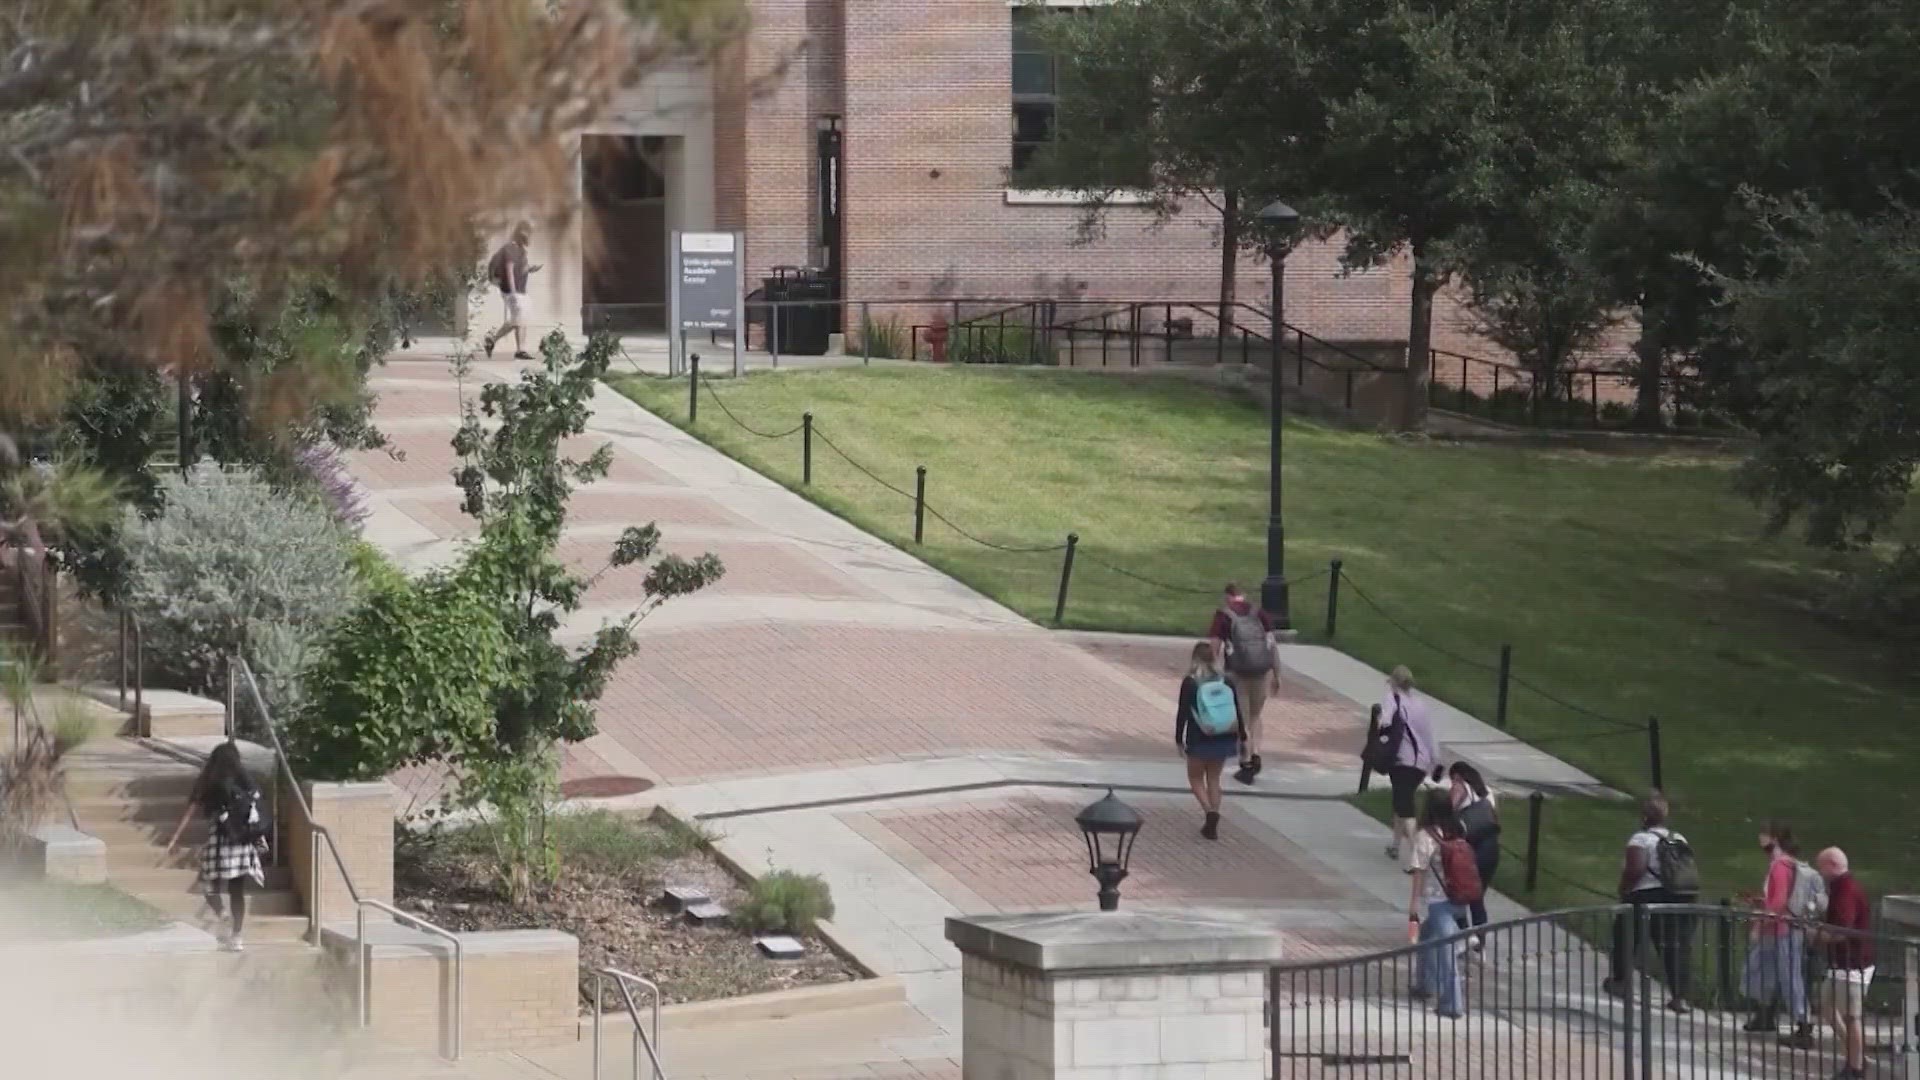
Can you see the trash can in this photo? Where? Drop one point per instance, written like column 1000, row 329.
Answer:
column 799, row 328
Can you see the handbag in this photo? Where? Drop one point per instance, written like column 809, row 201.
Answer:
column 1382, row 751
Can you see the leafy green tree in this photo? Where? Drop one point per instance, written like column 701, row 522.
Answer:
column 1458, row 113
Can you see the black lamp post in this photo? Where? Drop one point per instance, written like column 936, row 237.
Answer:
column 1110, row 827
column 1279, row 221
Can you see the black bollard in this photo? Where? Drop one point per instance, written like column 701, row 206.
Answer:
column 1066, row 576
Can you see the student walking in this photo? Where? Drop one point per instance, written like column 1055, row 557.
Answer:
column 1479, row 814
column 1209, row 729
column 1776, row 963
column 1243, row 647
column 1444, row 884
column 1658, row 868
column 237, row 831
column 1849, row 954
column 508, row 271
column 1408, row 732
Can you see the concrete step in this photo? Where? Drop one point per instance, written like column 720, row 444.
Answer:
column 168, row 713
column 155, row 884
column 161, row 783
column 281, row 906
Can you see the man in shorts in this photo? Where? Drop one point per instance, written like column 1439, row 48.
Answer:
column 1244, row 648
column 508, row 271
column 1842, row 993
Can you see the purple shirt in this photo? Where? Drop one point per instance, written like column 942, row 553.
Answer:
column 1418, row 750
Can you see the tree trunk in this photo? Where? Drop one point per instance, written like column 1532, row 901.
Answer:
column 1648, row 409
column 1229, row 258
column 1413, row 412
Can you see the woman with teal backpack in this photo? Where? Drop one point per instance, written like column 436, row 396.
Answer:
column 1209, row 729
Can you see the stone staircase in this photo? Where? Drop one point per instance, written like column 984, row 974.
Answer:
column 130, row 797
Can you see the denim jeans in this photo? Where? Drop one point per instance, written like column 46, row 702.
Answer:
column 1777, row 972
column 1434, row 968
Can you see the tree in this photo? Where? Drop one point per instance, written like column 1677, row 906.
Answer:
column 516, row 482
column 1829, row 336
column 159, row 151
column 1189, row 101
column 1457, row 114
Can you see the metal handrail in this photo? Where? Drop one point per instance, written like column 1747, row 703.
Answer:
column 238, row 665
column 625, row 981
column 129, row 626
column 37, row 600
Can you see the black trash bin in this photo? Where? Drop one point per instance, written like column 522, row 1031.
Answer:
column 799, row 328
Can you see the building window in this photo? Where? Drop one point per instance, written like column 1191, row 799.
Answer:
column 1036, row 86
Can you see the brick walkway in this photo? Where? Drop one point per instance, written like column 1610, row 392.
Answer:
column 772, row 692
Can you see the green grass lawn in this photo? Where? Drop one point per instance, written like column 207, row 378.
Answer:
column 1630, row 583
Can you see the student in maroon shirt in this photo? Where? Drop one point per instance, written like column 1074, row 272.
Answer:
column 1843, row 992
column 1244, row 648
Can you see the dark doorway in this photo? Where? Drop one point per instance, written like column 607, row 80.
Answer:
column 625, row 182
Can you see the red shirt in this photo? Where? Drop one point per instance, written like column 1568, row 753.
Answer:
column 1222, row 629
column 1847, row 908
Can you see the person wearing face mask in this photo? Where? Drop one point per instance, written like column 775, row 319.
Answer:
column 1776, row 963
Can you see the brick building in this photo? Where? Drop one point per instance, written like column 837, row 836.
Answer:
column 878, row 139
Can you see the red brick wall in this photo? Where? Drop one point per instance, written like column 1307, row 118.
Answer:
column 924, row 88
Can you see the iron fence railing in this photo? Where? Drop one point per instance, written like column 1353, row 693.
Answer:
column 1582, row 396
column 1622, row 991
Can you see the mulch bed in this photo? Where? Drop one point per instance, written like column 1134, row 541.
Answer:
column 619, row 922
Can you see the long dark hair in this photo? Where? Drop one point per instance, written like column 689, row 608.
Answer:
column 1782, row 834
column 1460, row 770
column 1438, row 815
column 222, row 771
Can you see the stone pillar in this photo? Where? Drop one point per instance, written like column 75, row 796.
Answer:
column 1128, row 995
column 360, row 819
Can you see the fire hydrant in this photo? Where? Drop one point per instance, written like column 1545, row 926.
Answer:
column 937, row 338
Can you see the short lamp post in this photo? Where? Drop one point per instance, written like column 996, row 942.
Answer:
column 1279, row 221
column 1109, row 827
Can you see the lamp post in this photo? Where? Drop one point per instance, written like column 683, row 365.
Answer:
column 1279, row 221
column 1109, row 827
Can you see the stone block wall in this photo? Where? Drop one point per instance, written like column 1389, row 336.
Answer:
column 360, row 819
column 520, row 988
column 1185, row 1024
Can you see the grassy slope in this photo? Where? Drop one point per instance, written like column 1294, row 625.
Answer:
column 1632, row 584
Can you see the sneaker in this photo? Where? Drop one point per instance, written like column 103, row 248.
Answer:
column 1762, row 1022
column 1418, row 993
column 232, row 943
column 522, row 355
column 1445, row 1015
column 1211, row 830
column 1678, row 1006
column 1614, row 987
column 1800, row 1039
column 1254, row 764
column 487, row 344
column 1245, row 773
column 1393, row 852
column 1848, row 1072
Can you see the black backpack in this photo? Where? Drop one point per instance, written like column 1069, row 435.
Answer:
column 1673, row 863
column 1480, row 821
column 242, row 817
column 1382, row 752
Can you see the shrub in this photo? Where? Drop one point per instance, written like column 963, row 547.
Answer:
column 979, row 343
column 408, row 675
column 786, row 902
column 321, row 466
column 884, row 337
column 1884, row 595
column 375, row 571
column 231, row 565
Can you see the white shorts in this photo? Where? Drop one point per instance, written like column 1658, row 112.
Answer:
column 514, row 304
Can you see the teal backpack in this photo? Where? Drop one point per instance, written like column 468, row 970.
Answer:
column 1214, row 709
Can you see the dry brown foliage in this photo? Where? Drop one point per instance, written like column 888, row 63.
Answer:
column 32, row 780
column 152, row 149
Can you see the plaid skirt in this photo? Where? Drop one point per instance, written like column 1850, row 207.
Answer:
column 222, row 860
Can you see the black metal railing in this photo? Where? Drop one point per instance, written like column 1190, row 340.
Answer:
column 1583, row 396
column 36, row 583
column 1639, row 992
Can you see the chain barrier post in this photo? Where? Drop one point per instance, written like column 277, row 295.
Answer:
column 1333, row 603
column 1066, row 575
column 1653, row 753
column 693, row 388
column 919, row 503
column 806, row 448
column 1536, row 804
column 1506, row 676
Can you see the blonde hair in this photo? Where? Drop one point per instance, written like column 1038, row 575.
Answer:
column 1402, row 679
column 1200, row 665
column 523, row 231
